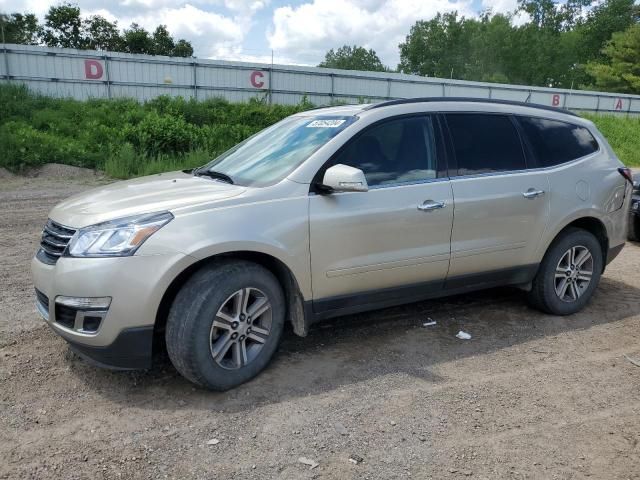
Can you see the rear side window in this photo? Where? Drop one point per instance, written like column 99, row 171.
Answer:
column 485, row 143
column 397, row 151
column 555, row 142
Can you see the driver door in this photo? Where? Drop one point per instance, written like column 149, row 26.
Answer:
column 392, row 243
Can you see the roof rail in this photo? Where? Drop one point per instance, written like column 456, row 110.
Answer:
column 402, row 101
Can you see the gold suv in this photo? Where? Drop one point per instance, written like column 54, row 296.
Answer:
column 328, row 212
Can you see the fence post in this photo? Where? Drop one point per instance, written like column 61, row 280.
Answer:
column 195, row 80
column 598, row 104
column 444, row 91
column 388, row 89
column 331, row 95
column 6, row 61
column 270, row 93
column 5, row 54
column 106, row 71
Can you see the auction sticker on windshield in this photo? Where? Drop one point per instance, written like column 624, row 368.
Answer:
column 325, row 123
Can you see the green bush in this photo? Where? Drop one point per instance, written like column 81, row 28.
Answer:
column 24, row 146
column 126, row 138
column 122, row 136
column 162, row 133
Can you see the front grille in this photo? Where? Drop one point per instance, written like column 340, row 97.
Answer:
column 55, row 238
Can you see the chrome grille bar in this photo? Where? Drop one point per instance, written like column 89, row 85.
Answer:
column 55, row 238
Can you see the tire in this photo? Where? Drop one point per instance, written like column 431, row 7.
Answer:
column 544, row 295
column 634, row 228
column 217, row 292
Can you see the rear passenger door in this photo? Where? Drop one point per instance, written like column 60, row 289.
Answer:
column 501, row 207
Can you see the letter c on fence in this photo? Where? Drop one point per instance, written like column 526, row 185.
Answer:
column 555, row 101
column 255, row 78
column 93, row 69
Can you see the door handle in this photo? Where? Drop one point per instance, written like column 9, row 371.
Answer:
column 429, row 205
column 532, row 193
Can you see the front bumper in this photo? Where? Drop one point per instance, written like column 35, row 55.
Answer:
column 131, row 350
column 136, row 286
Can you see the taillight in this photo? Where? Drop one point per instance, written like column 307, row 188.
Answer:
column 626, row 173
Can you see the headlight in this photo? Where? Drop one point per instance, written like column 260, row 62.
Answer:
column 116, row 238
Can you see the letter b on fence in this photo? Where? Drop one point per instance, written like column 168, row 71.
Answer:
column 93, row 69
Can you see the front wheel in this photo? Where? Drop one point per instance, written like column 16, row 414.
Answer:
column 225, row 324
column 569, row 273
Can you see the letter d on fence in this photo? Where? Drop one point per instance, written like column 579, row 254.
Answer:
column 93, row 69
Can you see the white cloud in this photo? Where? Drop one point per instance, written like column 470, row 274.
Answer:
column 507, row 6
column 209, row 32
column 212, row 26
column 39, row 7
column 500, row 6
column 315, row 27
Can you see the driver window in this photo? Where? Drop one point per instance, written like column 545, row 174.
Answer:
column 397, row 151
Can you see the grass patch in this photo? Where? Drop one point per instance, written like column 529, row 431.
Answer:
column 622, row 133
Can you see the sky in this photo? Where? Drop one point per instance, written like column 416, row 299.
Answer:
column 297, row 31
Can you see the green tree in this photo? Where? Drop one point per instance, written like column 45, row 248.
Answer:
column 102, row 34
column 621, row 72
column 353, row 58
column 63, row 27
column 603, row 21
column 182, row 49
column 138, row 40
column 19, row 28
column 440, row 47
column 163, row 43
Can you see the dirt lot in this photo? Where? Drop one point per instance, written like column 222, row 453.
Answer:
column 529, row 396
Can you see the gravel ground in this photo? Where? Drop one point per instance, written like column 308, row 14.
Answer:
column 529, row 396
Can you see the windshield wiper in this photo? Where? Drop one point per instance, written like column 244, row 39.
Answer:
column 213, row 174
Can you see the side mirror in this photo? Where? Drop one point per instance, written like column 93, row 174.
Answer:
column 343, row 178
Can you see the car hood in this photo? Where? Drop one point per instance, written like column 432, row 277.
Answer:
column 156, row 193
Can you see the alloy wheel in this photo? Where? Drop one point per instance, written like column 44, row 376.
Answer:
column 573, row 273
column 241, row 328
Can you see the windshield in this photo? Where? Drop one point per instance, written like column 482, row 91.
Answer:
column 270, row 155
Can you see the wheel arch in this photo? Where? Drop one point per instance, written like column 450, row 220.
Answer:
column 592, row 225
column 293, row 295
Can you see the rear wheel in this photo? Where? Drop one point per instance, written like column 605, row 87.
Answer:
column 568, row 274
column 225, row 324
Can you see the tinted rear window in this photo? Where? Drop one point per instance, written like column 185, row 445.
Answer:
column 485, row 143
column 554, row 142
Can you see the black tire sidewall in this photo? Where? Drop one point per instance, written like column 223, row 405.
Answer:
column 196, row 307
column 550, row 262
column 634, row 227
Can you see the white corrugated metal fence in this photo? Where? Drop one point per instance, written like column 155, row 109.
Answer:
column 86, row 74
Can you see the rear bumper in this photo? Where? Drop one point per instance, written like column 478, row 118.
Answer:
column 131, row 350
